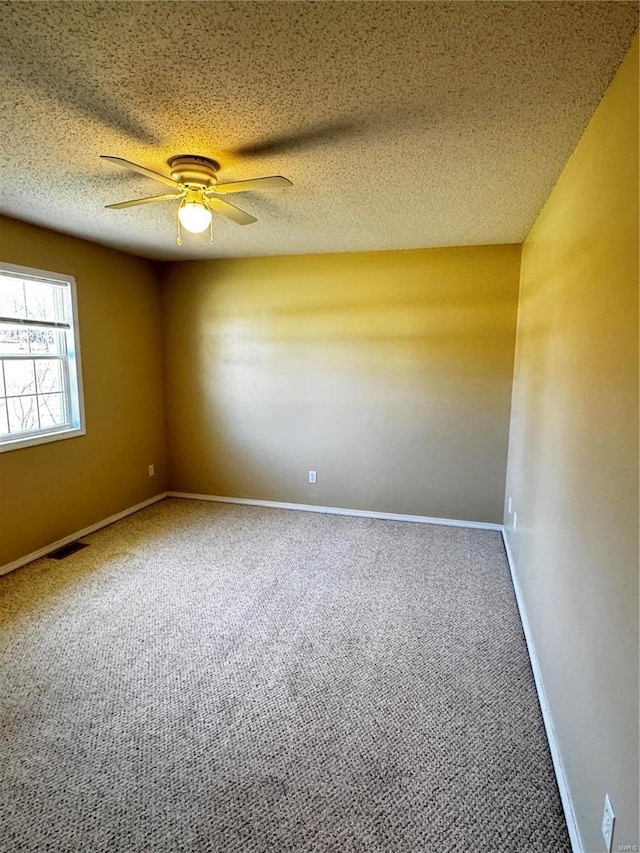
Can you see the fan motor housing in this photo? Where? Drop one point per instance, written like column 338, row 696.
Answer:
column 192, row 170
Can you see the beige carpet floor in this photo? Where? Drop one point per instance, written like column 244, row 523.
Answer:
column 209, row 677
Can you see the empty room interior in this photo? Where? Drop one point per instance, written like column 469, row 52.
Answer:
column 319, row 427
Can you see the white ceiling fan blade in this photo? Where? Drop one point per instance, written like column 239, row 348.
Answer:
column 148, row 200
column 272, row 183
column 156, row 176
column 230, row 210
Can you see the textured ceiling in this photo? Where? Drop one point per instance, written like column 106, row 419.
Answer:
column 400, row 124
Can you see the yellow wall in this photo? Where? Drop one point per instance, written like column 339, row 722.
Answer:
column 573, row 459
column 52, row 490
column 389, row 373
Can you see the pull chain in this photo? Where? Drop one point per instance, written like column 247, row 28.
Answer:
column 179, row 238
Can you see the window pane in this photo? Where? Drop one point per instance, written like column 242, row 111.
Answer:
column 23, row 413
column 48, row 375
column 46, row 341
column 12, row 302
column 4, row 427
column 17, row 340
column 13, row 340
column 51, row 408
column 19, row 376
column 40, row 301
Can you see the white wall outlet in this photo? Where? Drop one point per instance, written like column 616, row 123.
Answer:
column 509, row 504
column 515, row 521
column 608, row 821
column 313, row 476
column 152, row 470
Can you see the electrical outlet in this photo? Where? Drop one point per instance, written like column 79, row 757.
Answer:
column 152, row 470
column 608, row 821
column 509, row 504
column 515, row 521
column 313, row 477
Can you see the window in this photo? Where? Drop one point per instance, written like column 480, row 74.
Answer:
column 40, row 381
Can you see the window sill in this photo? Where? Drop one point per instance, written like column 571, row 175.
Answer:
column 30, row 441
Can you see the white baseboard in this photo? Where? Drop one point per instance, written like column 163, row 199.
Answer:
column 561, row 776
column 336, row 510
column 53, row 546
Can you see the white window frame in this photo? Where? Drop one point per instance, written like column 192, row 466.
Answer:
column 73, row 386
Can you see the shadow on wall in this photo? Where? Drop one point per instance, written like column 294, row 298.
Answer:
column 392, row 383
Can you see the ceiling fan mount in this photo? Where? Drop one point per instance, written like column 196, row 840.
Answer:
column 190, row 169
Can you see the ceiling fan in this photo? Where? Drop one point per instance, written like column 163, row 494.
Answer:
column 196, row 186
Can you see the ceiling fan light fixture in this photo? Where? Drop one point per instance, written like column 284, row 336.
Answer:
column 193, row 181
column 194, row 216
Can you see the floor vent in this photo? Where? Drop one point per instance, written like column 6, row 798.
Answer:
column 67, row 550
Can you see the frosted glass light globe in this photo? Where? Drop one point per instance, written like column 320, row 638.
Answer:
column 194, row 216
